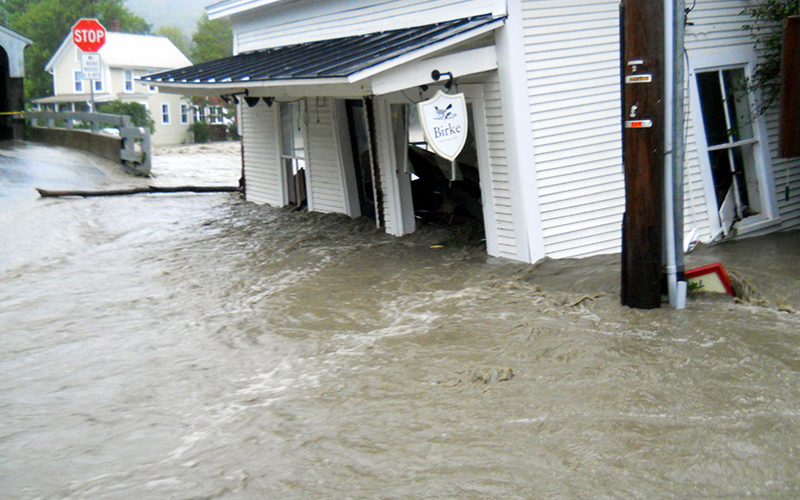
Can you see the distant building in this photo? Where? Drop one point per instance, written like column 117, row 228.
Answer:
column 124, row 58
column 328, row 119
column 12, row 73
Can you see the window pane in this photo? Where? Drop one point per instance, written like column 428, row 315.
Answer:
column 738, row 104
column 292, row 130
column 713, row 108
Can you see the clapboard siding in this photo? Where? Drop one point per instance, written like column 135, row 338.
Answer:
column 326, row 187
column 262, row 154
column 298, row 22
column 573, row 72
column 500, row 176
column 391, row 224
column 717, row 26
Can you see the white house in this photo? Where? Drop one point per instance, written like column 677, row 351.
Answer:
column 124, row 58
column 337, row 81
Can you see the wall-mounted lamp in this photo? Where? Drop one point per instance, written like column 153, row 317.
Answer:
column 269, row 101
column 436, row 74
column 227, row 98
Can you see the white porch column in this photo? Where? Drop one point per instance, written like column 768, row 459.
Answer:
column 511, row 66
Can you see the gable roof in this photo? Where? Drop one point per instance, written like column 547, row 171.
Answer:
column 327, row 59
column 125, row 50
column 5, row 32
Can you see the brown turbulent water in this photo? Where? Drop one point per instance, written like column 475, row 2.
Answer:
column 198, row 347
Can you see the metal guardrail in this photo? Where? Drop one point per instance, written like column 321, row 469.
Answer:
column 135, row 149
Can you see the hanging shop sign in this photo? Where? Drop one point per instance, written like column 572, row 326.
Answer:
column 444, row 123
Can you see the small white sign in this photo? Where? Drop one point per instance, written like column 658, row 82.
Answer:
column 90, row 66
column 444, row 122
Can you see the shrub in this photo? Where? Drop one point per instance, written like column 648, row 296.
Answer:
column 201, row 131
column 140, row 115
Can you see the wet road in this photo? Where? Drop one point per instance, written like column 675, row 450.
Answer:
column 197, row 346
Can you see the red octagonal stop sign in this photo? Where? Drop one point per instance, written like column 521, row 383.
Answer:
column 89, row 35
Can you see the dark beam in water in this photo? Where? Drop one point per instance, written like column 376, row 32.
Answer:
column 47, row 193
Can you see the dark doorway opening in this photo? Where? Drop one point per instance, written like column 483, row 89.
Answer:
column 359, row 143
column 6, row 120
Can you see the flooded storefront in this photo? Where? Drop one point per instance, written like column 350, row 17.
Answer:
column 200, row 346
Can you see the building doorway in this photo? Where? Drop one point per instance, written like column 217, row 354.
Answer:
column 362, row 161
column 6, row 123
column 443, row 193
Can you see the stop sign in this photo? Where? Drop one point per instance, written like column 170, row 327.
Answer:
column 89, row 35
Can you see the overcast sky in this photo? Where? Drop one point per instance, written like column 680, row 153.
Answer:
column 181, row 13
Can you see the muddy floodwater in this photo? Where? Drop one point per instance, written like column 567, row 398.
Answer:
column 201, row 347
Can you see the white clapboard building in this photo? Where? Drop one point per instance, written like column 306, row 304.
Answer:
column 327, row 92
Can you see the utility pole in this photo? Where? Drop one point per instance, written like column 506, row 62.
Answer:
column 643, row 151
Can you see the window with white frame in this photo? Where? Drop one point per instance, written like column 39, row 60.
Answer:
column 98, row 85
column 184, row 114
column 216, row 114
column 77, row 78
column 733, row 140
column 293, row 153
column 128, row 81
column 165, row 113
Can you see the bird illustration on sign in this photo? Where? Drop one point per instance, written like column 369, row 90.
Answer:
column 444, row 114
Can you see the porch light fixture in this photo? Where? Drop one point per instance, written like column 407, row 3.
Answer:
column 436, row 74
column 269, row 101
column 228, row 97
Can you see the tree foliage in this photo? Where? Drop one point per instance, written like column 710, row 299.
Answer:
column 765, row 29
column 139, row 114
column 212, row 40
column 48, row 23
column 176, row 36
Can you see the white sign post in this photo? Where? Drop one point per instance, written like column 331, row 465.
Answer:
column 444, row 122
column 90, row 70
column 89, row 36
column 90, row 66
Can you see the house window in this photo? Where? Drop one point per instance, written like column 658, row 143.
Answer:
column 733, row 145
column 165, row 114
column 293, row 153
column 98, row 85
column 128, row 81
column 78, row 79
column 153, row 89
column 184, row 114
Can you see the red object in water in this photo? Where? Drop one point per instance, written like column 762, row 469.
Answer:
column 715, row 268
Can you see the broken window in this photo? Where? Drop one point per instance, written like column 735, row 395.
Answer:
column 731, row 143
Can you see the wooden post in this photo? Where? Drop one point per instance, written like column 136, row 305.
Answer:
column 643, row 151
column 789, row 138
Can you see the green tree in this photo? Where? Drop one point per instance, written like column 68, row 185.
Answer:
column 768, row 17
column 140, row 115
column 176, row 36
column 212, row 40
column 10, row 10
column 48, row 23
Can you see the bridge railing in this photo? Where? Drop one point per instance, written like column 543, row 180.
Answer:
column 135, row 149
